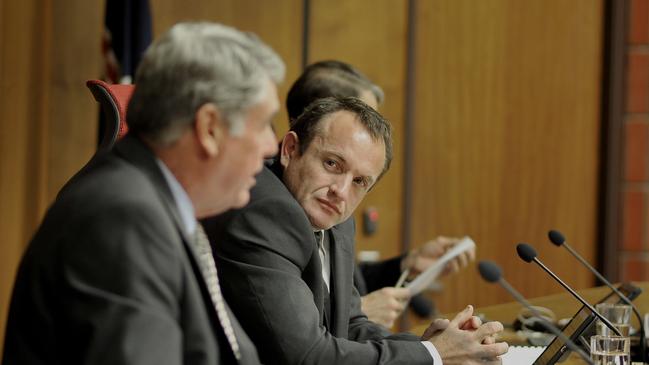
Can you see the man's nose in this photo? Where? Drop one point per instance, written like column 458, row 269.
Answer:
column 341, row 185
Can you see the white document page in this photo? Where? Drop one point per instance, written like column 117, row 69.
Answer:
column 426, row 278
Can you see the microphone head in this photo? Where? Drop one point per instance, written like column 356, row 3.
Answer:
column 422, row 306
column 556, row 237
column 526, row 252
column 489, row 271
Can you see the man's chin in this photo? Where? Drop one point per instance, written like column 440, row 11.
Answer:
column 242, row 199
column 321, row 224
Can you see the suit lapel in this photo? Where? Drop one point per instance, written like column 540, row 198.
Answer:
column 136, row 152
column 341, row 281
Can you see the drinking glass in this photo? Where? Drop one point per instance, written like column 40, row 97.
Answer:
column 618, row 314
column 610, row 350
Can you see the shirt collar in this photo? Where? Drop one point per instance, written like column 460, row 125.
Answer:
column 184, row 204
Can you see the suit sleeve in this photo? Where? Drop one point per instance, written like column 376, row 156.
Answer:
column 360, row 328
column 380, row 274
column 263, row 252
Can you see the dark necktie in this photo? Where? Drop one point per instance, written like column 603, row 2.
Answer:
column 208, row 269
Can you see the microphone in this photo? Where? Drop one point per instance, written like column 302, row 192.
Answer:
column 492, row 273
column 528, row 254
column 559, row 240
column 422, row 306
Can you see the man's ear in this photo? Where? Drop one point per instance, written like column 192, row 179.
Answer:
column 209, row 128
column 290, row 148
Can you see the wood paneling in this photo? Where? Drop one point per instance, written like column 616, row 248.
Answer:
column 47, row 118
column 14, row 134
column 74, row 56
column 506, row 116
column 507, row 136
column 278, row 23
column 371, row 35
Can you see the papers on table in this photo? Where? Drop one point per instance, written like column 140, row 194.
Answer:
column 522, row 355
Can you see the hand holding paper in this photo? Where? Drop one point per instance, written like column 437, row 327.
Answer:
column 428, row 276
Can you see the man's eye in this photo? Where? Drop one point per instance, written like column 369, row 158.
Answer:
column 331, row 163
column 360, row 182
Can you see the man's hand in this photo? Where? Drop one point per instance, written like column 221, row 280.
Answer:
column 421, row 258
column 462, row 342
column 385, row 305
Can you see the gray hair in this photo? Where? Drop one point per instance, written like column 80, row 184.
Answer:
column 197, row 63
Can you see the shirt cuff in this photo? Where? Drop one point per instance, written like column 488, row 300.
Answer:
column 437, row 360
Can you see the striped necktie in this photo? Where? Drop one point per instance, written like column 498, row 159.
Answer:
column 208, row 269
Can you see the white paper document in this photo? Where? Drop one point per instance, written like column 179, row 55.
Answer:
column 522, row 355
column 426, row 278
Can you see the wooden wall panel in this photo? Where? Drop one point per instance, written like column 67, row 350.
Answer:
column 506, row 116
column 47, row 118
column 278, row 23
column 14, row 134
column 74, row 56
column 507, row 136
column 371, row 35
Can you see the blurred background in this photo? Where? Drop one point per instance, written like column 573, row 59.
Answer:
column 511, row 118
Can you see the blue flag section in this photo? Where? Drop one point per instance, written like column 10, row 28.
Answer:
column 127, row 35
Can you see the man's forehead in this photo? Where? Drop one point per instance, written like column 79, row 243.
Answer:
column 343, row 135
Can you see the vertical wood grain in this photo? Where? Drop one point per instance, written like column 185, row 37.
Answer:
column 278, row 23
column 372, row 36
column 47, row 124
column 507, row 136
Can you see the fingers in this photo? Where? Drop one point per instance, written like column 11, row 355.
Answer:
column 472, row 324
column 491, row 351
column 436, row 325
column 463, row 259
column 489, row 340
column 462, row 317
column 400, row 294
column 384, row 306
column 494, row 361
column 471, row 254
column 489, row 329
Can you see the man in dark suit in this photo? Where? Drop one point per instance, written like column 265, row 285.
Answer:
column 375, row 281
column 119, row 272
column 287, row 258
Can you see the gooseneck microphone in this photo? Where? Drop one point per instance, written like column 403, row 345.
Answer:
column 490, row 272
column 528, row 254
column 559, row 240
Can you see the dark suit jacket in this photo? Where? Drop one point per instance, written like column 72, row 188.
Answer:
column 371, row 276
column 267, row 257
column 109, row 277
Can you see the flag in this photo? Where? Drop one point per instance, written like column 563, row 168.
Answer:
column 127, row 35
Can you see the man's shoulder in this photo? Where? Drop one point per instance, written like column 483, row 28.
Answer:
column 111, row 181
column 272, row 221
column 271, row 196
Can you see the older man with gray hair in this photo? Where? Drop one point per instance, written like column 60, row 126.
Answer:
column 119, row 272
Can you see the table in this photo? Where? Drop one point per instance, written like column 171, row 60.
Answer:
column 563, row 305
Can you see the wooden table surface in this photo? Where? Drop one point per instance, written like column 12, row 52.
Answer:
column 563, row 305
